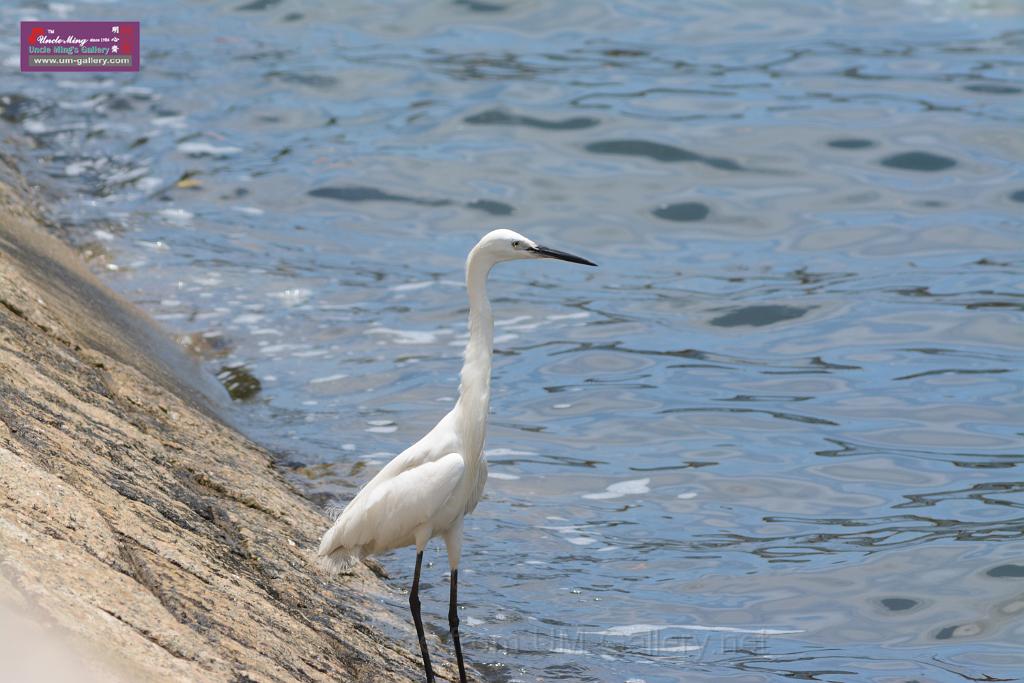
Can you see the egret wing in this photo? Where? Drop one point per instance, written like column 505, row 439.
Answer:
column 390, row 514
column 435, row 444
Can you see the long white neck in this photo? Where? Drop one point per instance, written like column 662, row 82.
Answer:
column 475, row 385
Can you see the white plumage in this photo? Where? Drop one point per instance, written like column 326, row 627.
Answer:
column 428, row 488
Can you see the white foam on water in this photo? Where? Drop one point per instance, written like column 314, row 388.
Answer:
column 248, row 210
column 581, row 540
column 149, row 183
column 629, row 630
column 201, row 148
column 83, row 104
column 311, row 353
column 137, row 90
column 512, row 321
column 525, row 327
column 169, row 121
column 630, row 487
column 411, row 286
column 520, row 323
column 500, row 452
column 210, row 279
column 127, row 176
column 407, row 336
column 177, row 215
column 568, row 316
column 293, row 297
column 678, row 648
column 382, row 430
column 279, row 348
column 502, row 475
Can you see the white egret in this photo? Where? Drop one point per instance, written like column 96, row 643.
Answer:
column 428, row 488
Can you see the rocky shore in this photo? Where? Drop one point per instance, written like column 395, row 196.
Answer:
column 141, row 538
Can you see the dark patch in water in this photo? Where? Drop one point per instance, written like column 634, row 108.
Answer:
column 659, row 152
column 1007, row 571
column 478, row 6
column 948, row 632
column 492, row 207
column 293, row 16
column 619, row 52
column 239, row 381
column 1018, row 196
column 497, row 117
column 898, row 604
column 17, row 108
column 683, row 212
column 355, row 193
column 257, row 5
column 758, row 316
column 120, row 104
column 919, row 161
column 993, row 89
column 851, row 143
column 312, row 80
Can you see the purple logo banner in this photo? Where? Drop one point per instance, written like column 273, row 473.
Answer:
column 79, row 46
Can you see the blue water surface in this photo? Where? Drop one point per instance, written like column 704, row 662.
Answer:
column 777, row 435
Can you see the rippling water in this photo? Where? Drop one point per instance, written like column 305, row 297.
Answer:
column 776, row 435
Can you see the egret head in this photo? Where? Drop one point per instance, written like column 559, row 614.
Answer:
column 509, row 245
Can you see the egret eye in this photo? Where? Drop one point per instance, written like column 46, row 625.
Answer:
column 515, row 244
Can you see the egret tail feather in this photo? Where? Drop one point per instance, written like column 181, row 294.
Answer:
column 340, row 561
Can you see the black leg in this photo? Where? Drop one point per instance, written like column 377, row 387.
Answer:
column 453, row 624
column 414, row 605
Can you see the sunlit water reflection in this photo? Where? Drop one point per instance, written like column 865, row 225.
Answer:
column 776, row 434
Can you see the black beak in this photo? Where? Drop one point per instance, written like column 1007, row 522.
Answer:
column 547, row 252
